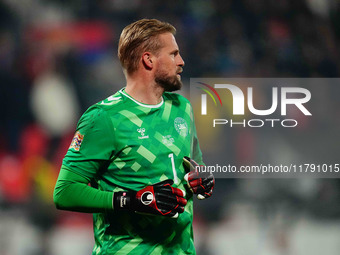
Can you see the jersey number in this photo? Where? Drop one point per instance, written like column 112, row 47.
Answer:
column 171, row 156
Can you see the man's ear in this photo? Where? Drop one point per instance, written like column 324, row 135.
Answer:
column 147, row 60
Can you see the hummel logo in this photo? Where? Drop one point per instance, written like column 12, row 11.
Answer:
column 142, row 133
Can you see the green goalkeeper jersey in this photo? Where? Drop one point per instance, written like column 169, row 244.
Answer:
column 122, row 144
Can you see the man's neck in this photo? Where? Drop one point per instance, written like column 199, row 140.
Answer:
column 144, row 90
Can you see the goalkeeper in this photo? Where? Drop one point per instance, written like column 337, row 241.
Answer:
column 138, row 151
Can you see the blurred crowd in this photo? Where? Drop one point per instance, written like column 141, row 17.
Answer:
column 58, row 57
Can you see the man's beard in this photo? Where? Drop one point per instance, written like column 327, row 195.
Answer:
column 168, row 83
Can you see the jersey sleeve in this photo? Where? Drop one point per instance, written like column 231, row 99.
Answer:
column 72, row 193
column 92, row 145
column 196, row 152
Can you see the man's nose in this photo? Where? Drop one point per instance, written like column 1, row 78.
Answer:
column 180, row 61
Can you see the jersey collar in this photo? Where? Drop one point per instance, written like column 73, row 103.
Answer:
column 122, row 91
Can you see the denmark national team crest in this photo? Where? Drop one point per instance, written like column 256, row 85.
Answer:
column 76, row 141
column 181, row 126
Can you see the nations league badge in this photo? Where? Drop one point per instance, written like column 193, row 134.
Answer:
column 181, row 126
column 76, row 141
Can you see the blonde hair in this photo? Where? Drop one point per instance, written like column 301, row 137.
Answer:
column 140, row 37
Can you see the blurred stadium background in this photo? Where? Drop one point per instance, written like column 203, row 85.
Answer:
column 58, row 57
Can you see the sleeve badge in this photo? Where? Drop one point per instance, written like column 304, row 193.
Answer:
column 76, row 141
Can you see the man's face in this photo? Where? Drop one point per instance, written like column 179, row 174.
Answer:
column 169, row 64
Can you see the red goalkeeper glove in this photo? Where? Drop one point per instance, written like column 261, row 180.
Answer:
column 158, row 199
column 201, row 184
